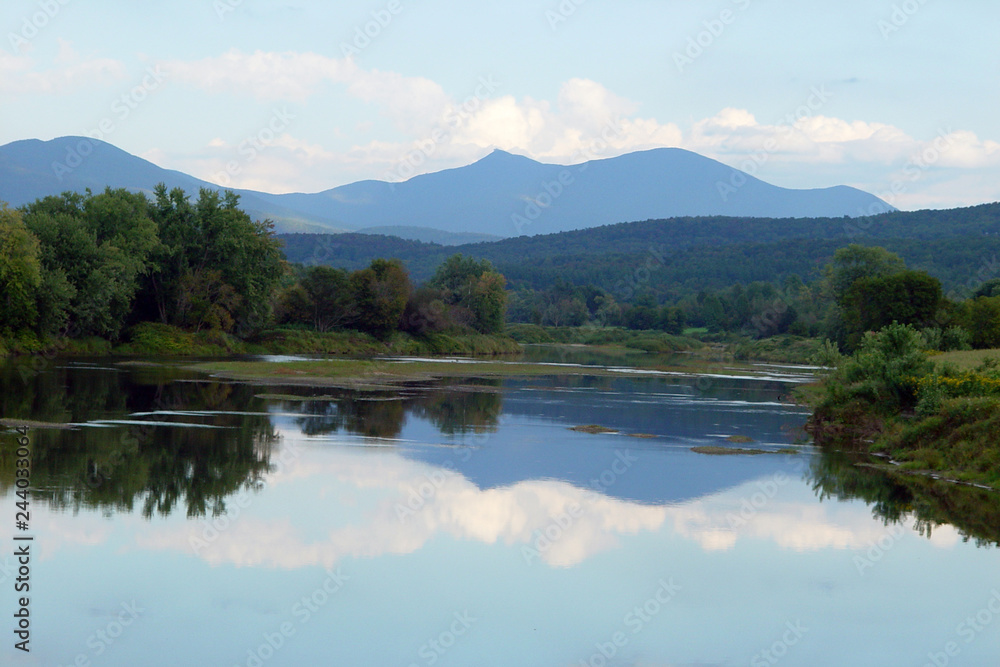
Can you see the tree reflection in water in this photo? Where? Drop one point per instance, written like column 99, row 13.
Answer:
column 224, row 445
column 903, row 498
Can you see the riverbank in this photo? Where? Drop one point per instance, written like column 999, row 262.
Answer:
column 151, row 339
column 930, row 415
column 160, row 340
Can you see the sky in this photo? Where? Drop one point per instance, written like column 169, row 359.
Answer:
column 896, row 97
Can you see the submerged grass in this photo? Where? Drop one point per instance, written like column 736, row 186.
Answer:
column 593, row 428
column 380, row 372
column 715, row 450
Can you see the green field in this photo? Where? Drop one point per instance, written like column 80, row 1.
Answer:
column 965, row 360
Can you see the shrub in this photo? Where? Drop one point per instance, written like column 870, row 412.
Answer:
column 954, row 339
column 886, row 368
column 828, row 355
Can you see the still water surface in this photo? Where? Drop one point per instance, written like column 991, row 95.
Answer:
column 185, row 521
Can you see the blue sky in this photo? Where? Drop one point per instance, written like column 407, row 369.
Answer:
column 897, row 97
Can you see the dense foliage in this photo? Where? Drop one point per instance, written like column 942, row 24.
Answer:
column 110, row 265
column 92, row 265
column 890, row 397
column 98, row 265
column 748, row 276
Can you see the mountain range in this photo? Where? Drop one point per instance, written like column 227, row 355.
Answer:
column 501, row 195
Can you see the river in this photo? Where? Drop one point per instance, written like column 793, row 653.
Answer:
column 182, row 520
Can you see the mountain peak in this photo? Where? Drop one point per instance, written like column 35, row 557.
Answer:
column 502, row 194
column 498, row 155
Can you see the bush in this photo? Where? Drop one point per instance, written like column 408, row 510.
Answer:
column 885, row 369
column 828, row 356
column 929, row 399
column 955, row 339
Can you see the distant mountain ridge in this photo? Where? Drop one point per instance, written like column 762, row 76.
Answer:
column 958, row 246
column 501, row 195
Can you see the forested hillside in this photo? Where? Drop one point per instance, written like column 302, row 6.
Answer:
column 690, row 254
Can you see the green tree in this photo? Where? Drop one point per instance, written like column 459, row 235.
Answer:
column 982, row 319
column 232, row 263
column 883, row 370
column 855, row 262
column 475, row 286
column 670, row 319
column 379, row 294
column 989, row 288
column 488, row 302
column 871, row 303
column 20, row 272
column 327, row 297
column 97, row 249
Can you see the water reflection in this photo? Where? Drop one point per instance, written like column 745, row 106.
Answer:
column 453, row 409
column 133, row 443
column 477, row 499
column 155, row 438
column 925, row 503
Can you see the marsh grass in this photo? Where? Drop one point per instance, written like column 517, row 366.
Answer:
column 964, row 360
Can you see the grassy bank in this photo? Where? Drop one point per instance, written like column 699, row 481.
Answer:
column 646, row 341
column 932, row 415
column 784, row 349
column 160, row 340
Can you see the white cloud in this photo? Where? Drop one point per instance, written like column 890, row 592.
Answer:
column 581, row 523
column 264, row 75
column 799, row 527
column 585, row 121
column 22, row 75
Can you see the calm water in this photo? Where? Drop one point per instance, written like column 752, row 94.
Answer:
column 194, row 522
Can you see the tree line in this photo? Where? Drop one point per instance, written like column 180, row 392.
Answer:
column 861, row 289
column 93, row 265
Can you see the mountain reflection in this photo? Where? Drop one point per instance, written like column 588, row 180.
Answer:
column 156, row 439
